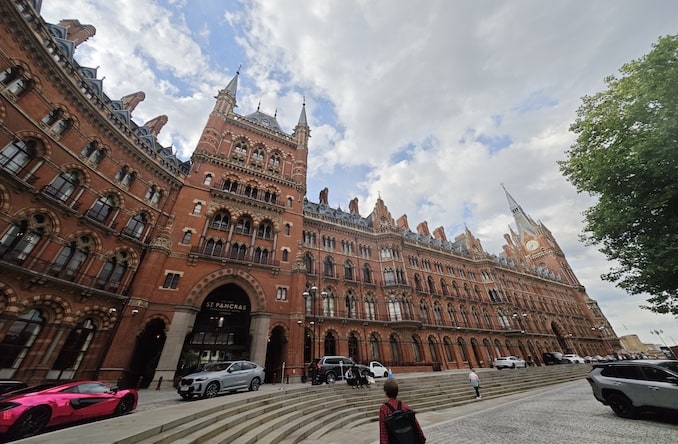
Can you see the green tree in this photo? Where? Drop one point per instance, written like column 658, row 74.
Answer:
column 626, row 155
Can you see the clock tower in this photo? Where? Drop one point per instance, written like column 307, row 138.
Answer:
column 534, row 246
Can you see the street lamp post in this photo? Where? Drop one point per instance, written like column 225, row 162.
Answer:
column 658, row 333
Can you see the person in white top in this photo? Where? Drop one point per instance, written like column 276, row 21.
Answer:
column 475, row 382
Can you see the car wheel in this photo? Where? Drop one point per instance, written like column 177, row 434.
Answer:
column 125, row 406
column 385, row 374
column 621, row 405
column 331, row 378
column 514, row 365
column 30, row 423
column 499, row 368
column 254, row 385
column 211, row 390
column 185, row 396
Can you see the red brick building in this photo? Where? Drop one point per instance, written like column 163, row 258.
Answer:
column 122, row 262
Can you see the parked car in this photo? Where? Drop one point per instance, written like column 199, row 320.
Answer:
column 221, row 377
column 377, row 370
column 631, row 387
column 29, row 411
column 329, row 369
column 509, row 362
column 597, row 358
column 551, row 358
column 7, row 385
column 574, row 358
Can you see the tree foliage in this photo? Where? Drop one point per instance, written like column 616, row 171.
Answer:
column 626, row 155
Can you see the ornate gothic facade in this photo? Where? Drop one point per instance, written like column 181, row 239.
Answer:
column 122, row 262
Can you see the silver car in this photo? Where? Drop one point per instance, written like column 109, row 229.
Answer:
column 630, row 387
column 221, row 377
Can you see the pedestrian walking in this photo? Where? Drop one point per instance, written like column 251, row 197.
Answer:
column 406, row 427
column 475, row 382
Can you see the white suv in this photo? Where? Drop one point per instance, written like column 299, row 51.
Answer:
column 630, row 387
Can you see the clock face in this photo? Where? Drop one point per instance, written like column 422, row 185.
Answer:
column 532, row 245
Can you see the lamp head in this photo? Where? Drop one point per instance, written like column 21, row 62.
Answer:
column 111, row 310
column 135, row 312
column 299, row 322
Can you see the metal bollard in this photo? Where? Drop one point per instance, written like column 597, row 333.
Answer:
column 159, row 382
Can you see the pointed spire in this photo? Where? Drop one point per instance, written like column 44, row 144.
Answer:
column 302, row 116
column 523, row 221
column 232, row 86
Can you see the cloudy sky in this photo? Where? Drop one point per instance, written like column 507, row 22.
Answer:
column 432, row 104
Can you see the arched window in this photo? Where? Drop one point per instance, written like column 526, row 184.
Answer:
column 416, row 349
column 328, row 267
column 417, row 283
column 153, row 194
column 370, row 308
column 424, row 312
column 20, row 338
column 102, row 208
column 308, row 263
column 17, row 155
column 73, row 351
column 20, row 240
column 443, row 288
column 92, row 153
column 367, row 274
column 329, row 304
column 462, row 349
column 243, row 226
column 285, row 255
column 389, row 277
column 274, row 163
column 265, row 230
column 72, row 257
column 221, row 220
column 431, row 285
column 452, row 314
column 438, row 313
column 208, row 179
column 113, row 272
column 394, row 313
column 348, row 271
column 240, row 150
column 197, row 208
column 288, row 229
column 14, row 81
column 374, row 347
column 447, row 346
column 63, row 186
column 187, row 237
column 350, row 305
column 230, row 185
column 136, row 226
column 395, row 348
column 432, row 349
column 125, row 176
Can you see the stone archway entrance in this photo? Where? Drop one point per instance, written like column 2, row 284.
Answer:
column 221, row 330
column 275, row 352
column 147, row 350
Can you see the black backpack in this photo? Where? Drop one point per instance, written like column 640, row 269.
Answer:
column 401, row 425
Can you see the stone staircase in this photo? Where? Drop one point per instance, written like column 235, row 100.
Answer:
column 307, row 412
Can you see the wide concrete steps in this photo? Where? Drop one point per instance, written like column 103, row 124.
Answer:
column 308, row 412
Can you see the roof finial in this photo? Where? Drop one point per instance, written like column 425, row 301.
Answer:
column 258, row 105
column 275, row 114
column 239, row 68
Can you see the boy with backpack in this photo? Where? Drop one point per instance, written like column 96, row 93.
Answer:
column 397, row 422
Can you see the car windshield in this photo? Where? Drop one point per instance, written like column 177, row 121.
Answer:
column 671, row 365
column 216, row 366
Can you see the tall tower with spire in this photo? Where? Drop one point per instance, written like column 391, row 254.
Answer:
column 534, row 245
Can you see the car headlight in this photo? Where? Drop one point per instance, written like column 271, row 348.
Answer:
column 202, row 378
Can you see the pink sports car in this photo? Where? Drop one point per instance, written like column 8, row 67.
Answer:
column 27, row 412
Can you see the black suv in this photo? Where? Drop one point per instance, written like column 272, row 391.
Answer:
column 551, row 358
column 329, row 369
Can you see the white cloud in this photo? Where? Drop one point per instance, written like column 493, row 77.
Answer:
column 397, row 94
